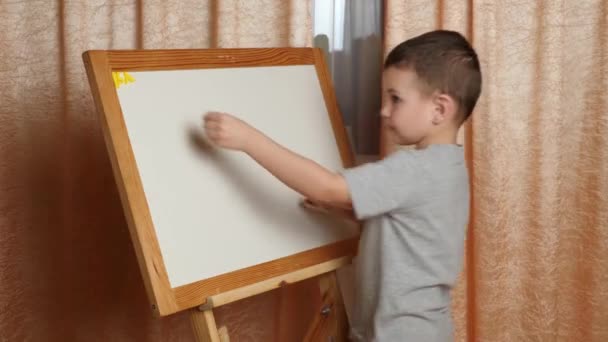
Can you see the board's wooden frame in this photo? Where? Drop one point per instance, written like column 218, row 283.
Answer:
column 234, row 285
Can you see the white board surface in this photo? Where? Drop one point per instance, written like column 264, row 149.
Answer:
column 216, row 211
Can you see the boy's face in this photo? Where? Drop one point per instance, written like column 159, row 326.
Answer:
column 408, row 112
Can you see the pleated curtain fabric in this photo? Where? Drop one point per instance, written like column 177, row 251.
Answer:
column 537, row 247
column 67, row 268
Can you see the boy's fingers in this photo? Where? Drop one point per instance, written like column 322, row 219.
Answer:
column 211, row 116
column 214, row 125
column 308, row 204
column 210, row 125
column 305, row 202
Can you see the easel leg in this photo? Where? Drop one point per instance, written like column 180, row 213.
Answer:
column 205, row 329
column 330, row 324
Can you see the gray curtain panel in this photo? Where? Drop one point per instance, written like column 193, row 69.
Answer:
column 350, row 32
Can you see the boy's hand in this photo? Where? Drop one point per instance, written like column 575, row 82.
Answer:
column 328, row 209
column 310, row 205
column 227, row 131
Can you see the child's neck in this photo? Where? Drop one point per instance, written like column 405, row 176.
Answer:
column 447, row 137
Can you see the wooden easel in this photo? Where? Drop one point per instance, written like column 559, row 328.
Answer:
column 329, row 324
column 321, row 262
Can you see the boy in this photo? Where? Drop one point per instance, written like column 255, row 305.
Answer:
column 414, row 203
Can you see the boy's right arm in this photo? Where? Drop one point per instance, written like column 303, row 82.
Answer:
column 297, row 172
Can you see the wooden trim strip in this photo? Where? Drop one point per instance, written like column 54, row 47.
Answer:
column 331, row 103
column 129, row 183
column 187, row 298
column 194, row 294
column 142, row 60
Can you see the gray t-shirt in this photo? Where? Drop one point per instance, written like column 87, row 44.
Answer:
column 415, row 204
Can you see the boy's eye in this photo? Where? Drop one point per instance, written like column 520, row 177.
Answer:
column 395, row 99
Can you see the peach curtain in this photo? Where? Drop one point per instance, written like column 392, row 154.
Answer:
column 537, row 265
column 67, row 268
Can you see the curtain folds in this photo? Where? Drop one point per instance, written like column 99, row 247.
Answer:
column 537, row 144
column 67, row 268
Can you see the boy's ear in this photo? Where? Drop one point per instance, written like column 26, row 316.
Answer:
column 445, row 108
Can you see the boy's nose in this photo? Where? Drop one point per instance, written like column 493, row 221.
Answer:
column 384, row 112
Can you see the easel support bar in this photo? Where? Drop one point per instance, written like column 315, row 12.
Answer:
column 330, row 322
column 273, row 283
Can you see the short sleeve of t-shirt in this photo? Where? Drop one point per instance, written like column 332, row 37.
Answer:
column 380, row 187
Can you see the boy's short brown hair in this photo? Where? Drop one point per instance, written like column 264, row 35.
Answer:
column 444, row 61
